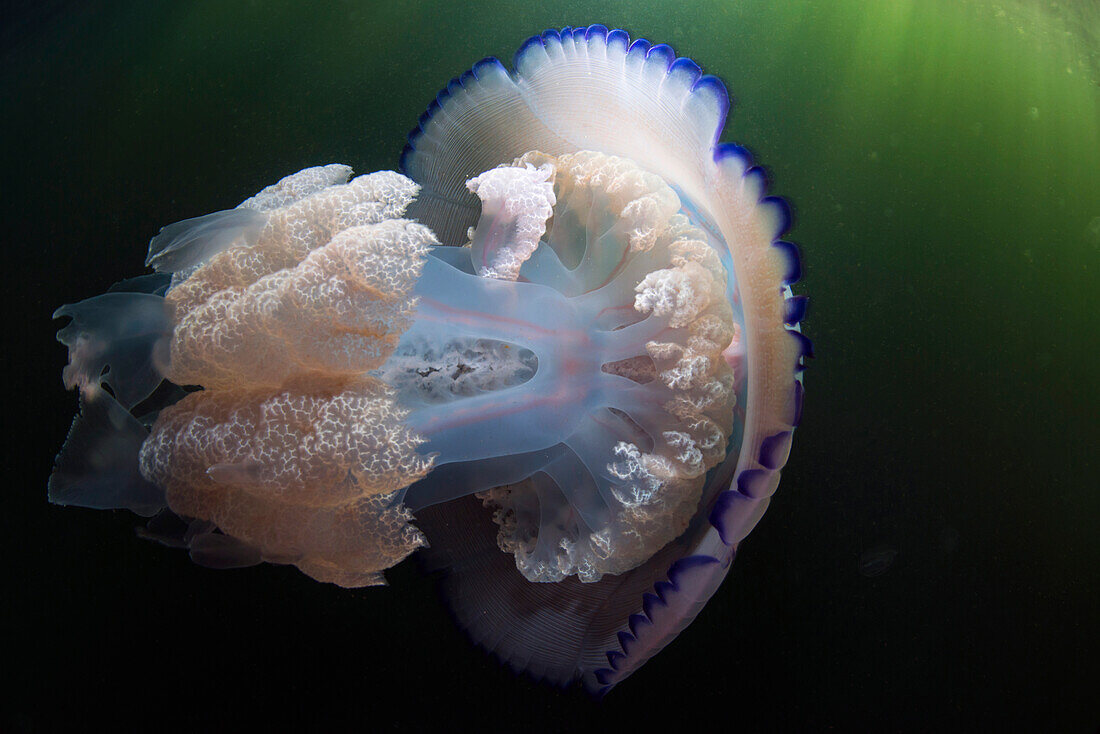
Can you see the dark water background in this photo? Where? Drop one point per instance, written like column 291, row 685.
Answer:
column 932, row 559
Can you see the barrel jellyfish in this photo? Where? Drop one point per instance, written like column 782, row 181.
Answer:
column 556, row 356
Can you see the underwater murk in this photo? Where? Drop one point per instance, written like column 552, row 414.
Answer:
column 557, row 354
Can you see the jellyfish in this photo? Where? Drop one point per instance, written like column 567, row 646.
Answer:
column 557, row 356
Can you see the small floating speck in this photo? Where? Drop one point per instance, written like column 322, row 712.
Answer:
column 877, row 560
column 1092, row 232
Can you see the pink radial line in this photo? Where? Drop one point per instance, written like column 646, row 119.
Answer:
column 473, row 318
column 456, row 416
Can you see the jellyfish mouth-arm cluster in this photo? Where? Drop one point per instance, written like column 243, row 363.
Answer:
column 558, row 355
column 311, row 335
column 290, row 453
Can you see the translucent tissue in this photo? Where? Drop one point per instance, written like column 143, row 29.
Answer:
column 566, row 366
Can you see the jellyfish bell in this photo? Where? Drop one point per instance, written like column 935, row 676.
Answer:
column 558, row 356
